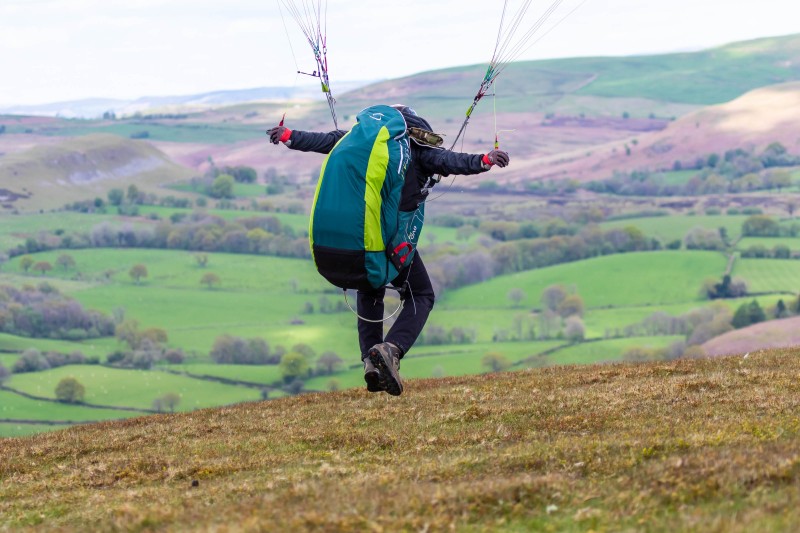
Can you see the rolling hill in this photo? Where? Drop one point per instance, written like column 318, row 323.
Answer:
column 49, row 176
column 694, row 445
column 752, row 122
column 564, row 118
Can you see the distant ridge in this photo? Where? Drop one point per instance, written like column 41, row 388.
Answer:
column 96, row 107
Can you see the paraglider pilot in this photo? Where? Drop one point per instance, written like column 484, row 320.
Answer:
column 381, row 356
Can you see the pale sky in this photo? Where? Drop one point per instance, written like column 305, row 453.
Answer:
column 58, row 50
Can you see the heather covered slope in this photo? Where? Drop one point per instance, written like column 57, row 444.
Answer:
column 771, row 334
column 701, row 445
column 751, row 122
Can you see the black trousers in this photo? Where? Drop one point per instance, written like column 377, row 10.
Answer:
column 417, row 299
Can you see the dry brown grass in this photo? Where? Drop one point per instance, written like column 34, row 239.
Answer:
column 701, row 445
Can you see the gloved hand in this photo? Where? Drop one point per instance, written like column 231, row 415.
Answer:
column 279, row 134
column 496, row 157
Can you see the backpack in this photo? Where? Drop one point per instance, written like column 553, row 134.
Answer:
column 359, row 237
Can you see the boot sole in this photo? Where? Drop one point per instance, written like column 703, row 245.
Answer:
column 374, row 381
column 392, row 381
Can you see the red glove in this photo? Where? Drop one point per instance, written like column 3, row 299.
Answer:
column 279, row 134
column 496, row 157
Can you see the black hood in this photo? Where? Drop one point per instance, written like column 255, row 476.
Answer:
column 415, row 121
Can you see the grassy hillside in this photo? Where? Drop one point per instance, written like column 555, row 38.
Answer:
column 700, row 445
column 616, row 280
column 130, row 388
column 51, row 176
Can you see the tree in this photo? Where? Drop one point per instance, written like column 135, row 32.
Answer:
column 727, row 288
column 780, row 310
column 637, row 354
column 571, row 305
column 70, row 390
column 171, row 401
column 222, row 187
column 305, row 350
column 210, row 279
column 4, row 373
column 133, row 196
column 116, row 196
column 516, row 296
column 32, row 360
column 778, row 180
column 495, row 362
column 65, row 261
column 760, row 226
column 128, row 331
column 155, row 335
column 202, row 260
column 574, row 330
column 137, row 272
column 328, row 362
column 26, row 262
column 293, row 366
column 242, row 174
column 43, row 267
column 747, row 314
column 552, row 296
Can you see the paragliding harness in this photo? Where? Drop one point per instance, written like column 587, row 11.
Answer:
column 359, row 237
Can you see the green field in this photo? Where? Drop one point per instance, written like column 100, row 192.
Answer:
column 14, row 406
column 8, row 359
column 606, row 350
column 89, row 348
column 647, row 278
column 17, row 228
column 133, row 388
column 258, row 296
column 769, row 243
column 769, row 275
column 262, row 374
column 677, row 226
column 677, row 177
column 16, row 429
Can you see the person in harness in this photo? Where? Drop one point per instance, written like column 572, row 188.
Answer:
column 381, row 356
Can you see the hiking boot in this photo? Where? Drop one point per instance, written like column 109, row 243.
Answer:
column 386, row 358
column 373, row 377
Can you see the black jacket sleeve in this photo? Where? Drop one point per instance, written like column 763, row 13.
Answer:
column 446, row 162
column 310, row 141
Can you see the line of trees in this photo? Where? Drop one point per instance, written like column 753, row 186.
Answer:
column 735, row 171
column 264, row 235
column 591, row 241
column 44, row 312
column 32, row 360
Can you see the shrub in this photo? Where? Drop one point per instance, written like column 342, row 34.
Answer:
column 70, row 390
column 31, row 361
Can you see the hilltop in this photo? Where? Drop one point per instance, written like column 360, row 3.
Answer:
column 705, row 445
column 751, row 122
